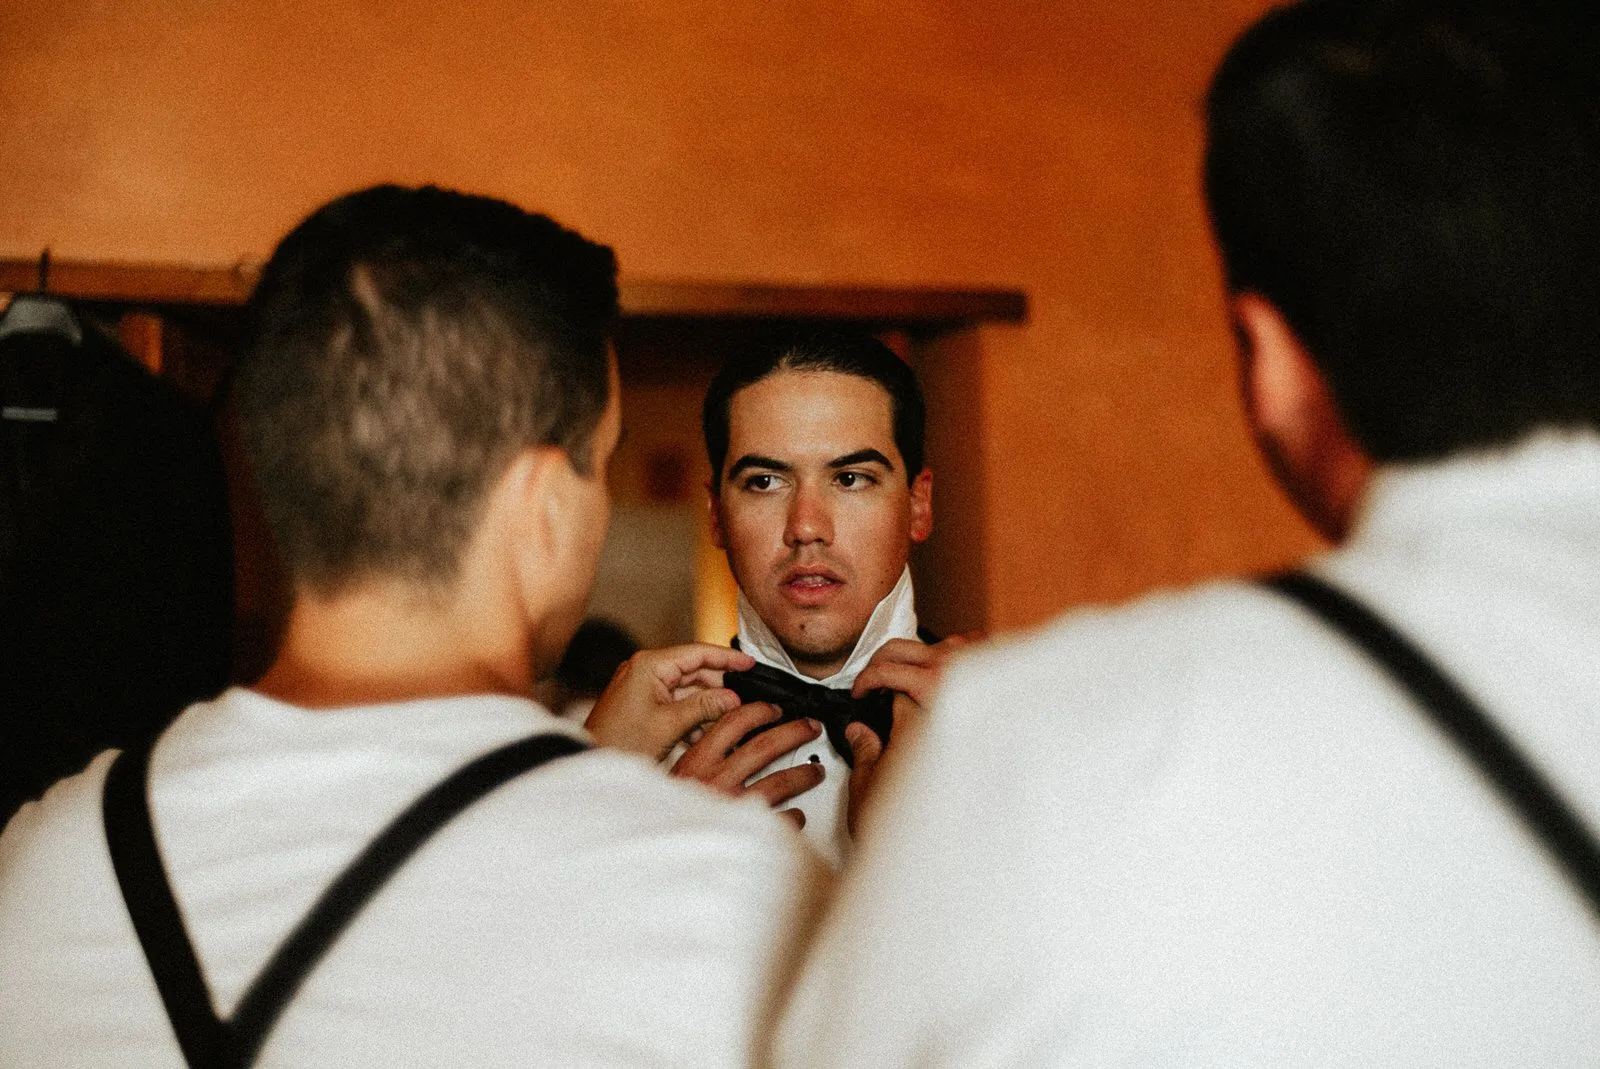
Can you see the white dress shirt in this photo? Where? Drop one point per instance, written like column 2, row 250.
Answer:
column 592, row 912
column 825, row 805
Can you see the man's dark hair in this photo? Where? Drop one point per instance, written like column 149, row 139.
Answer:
column 405, row 345
column 1416, row 187
column 844, row 351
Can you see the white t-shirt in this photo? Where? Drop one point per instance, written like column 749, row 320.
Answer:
column 826, row 804
column 1204, row 830
column 590, row 912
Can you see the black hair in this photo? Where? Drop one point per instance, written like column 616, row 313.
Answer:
column 405, row 345
column 596, row 651
column 847, row 352
column 1416, row 187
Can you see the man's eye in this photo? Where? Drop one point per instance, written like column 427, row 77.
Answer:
column 761, row 482
column 852, row 480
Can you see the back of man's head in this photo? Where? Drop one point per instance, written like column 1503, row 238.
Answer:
column 845, row 352
column 1416, row 187
column 406, row 344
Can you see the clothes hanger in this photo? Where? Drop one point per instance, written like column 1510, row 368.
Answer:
column 28, row 397
column 40, row 312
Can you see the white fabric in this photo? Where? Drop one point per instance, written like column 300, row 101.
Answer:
column 592, row 912
column 1202, row 830
column 825, row 805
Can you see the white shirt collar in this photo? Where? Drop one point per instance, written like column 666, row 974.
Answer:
column 894, row 617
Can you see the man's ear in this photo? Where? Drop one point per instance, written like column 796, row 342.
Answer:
column 922, row 505
column 1277, row 376
column 529, row 499
column 714, row 514
column 1295, row 419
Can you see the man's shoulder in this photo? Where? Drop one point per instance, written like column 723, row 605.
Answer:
column 1152, row 684
column 294, row 765
column 1191, row 634
column 626, row 792
column 43, row 830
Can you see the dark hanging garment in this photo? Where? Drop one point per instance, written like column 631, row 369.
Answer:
column 116, row 574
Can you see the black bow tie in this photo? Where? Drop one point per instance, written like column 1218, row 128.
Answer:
column 834, row 708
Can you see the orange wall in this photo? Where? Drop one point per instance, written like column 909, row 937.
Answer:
column 1047, row 146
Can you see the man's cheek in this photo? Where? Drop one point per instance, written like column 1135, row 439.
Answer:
column 754, row 531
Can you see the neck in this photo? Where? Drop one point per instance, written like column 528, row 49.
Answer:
column 391, row 642
column 814, row 669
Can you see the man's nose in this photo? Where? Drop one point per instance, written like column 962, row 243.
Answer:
column 809, row 519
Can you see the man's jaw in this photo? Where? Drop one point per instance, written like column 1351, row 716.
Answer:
column 818, row 662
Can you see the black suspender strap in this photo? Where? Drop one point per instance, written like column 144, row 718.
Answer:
column 156, row 919
column 207, row 1041
column 1522, row 786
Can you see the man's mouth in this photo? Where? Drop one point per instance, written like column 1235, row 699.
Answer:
column 810, row 586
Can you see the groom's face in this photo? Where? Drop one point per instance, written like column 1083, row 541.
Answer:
column 814, row 508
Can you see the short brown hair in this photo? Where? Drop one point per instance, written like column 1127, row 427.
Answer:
column 405, row 345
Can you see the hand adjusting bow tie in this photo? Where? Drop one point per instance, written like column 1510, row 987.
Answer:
column 833, row 708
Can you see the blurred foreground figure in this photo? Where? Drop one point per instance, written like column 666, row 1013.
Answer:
column 1208, row 828
column 429, row 405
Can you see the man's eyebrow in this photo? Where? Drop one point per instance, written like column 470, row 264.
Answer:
column 755, row 460
column 861, row 456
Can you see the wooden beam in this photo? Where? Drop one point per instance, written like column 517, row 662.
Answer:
column 881, row 304
column 167, row 284
column 134, row 283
